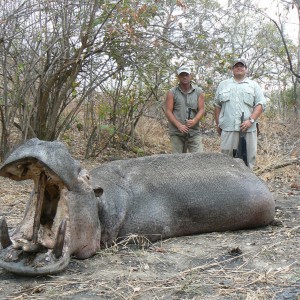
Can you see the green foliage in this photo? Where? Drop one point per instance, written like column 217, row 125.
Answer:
column 138, row 151
column 109, row 129
column 104, row 110
column 79, row 126
column 292, row 96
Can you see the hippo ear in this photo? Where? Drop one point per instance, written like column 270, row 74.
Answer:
column 98, row 192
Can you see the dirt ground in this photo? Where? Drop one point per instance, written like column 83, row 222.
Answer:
column 248, row 264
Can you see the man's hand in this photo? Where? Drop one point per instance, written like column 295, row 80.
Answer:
column 245, row 125
column 190, row 123
column 183, row 128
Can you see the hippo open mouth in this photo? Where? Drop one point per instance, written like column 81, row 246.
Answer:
column 48, row 234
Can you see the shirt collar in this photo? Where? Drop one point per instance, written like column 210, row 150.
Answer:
column 193, row 87
column 245, row 80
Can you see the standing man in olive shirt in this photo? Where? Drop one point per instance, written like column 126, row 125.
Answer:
column 235, row 96
column 184, row 109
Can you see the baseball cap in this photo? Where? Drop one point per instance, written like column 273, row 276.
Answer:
column 184, row 69
column 239, row 60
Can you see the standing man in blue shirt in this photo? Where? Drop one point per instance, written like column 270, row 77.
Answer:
column 234, row 97
column 184, row 109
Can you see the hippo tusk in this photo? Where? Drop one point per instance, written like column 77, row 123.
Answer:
column 39, row 205
column 4, row 236
column 60, row 239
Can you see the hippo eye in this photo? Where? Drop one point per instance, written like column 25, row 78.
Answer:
column 98, row 192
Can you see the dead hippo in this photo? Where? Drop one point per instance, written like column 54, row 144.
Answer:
column 72, row 213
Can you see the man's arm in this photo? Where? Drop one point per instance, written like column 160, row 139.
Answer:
column 217, row 112
column 170, row 116
column 257, row 111
column 217, row 109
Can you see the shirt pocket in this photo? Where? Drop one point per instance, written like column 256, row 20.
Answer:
column 249, row 97
column 224, row 96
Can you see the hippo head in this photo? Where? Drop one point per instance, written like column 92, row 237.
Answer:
column 61, row 217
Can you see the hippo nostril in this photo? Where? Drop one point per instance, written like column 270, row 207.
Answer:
column 98, row 192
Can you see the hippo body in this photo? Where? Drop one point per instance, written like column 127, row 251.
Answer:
column 159, row 196
column 163, row 196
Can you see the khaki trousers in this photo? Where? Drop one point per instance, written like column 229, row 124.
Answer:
column 194, row 143
column 230, row 141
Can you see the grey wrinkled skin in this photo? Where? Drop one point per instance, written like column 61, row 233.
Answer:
column 159, row 196
column 54, row 155
column 172, row 195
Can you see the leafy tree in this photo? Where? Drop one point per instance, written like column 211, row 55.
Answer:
column 115, row 60
column 60, row 51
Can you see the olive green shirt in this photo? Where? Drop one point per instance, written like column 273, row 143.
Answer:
column 182, row 102
column 234, row 98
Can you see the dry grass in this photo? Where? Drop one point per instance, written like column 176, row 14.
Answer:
column 226, row 277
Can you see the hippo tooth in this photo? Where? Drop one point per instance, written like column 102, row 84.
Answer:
column 39, row 205
column 61, row 232
column 4, row 236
